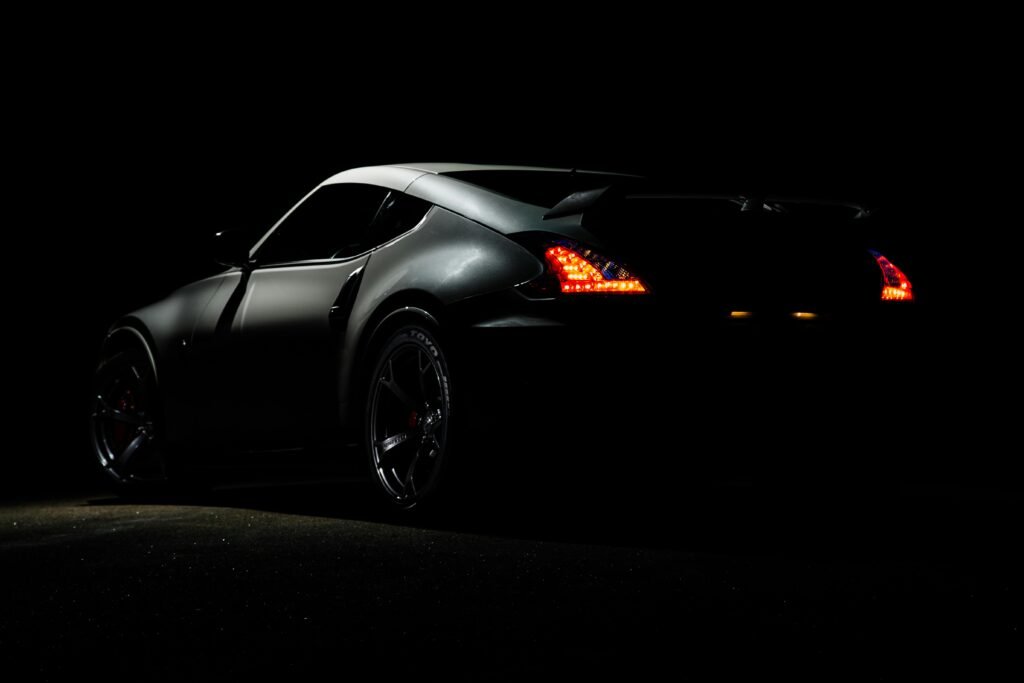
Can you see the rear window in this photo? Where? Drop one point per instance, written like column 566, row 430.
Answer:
column 540, row 188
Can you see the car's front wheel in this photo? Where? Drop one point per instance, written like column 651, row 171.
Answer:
column 408, row 416
column 125, row 426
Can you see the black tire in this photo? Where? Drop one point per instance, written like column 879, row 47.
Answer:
column 126, row 431
column 408, row 430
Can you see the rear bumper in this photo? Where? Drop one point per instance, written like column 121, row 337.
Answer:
column 645, row 389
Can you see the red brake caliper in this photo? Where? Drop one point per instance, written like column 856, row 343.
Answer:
column 120, row 428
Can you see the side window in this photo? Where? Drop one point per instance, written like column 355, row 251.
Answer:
column 399, row 214
column 333, row 222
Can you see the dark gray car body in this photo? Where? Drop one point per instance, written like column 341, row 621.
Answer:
column 275, row 357
column 457, row 252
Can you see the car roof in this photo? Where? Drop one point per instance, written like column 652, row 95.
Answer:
column 396, row 174
column 443, row 168
column 431, row 182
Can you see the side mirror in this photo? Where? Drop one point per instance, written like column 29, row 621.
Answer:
column 231, row 248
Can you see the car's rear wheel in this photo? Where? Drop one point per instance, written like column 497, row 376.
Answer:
column 125, row 426
column 408, row 416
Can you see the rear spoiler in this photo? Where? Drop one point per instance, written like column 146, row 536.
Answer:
column 579, row 203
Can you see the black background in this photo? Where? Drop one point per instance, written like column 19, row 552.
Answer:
column 138, row 147
column 135, row 138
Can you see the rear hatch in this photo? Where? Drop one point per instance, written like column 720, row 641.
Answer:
column 720, row 255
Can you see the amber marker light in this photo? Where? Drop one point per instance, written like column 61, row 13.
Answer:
column 804, row 315
column 579, row 275
column 740, row 315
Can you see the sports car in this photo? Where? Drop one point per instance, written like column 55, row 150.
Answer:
column 409, row 319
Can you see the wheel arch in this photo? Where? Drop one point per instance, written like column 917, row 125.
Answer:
column 131, row 333
column 395, row 311
column 402, row 308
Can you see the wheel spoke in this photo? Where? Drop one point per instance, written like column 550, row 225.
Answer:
column 128, row 453
column 422, row 368
column 398, row 392
column 105, row 411
column 141, row 375
column 409, row 482
column 391, row 442
column 435, row 447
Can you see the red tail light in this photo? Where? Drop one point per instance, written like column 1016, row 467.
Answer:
column 586, row 273
column 895, row 285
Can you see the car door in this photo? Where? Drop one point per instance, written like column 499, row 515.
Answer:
column 270, row 344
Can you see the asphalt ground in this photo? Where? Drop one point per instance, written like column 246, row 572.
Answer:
column 319, row 580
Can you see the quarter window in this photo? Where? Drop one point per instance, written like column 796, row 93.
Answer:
column 333, row 222
column 399, row 214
